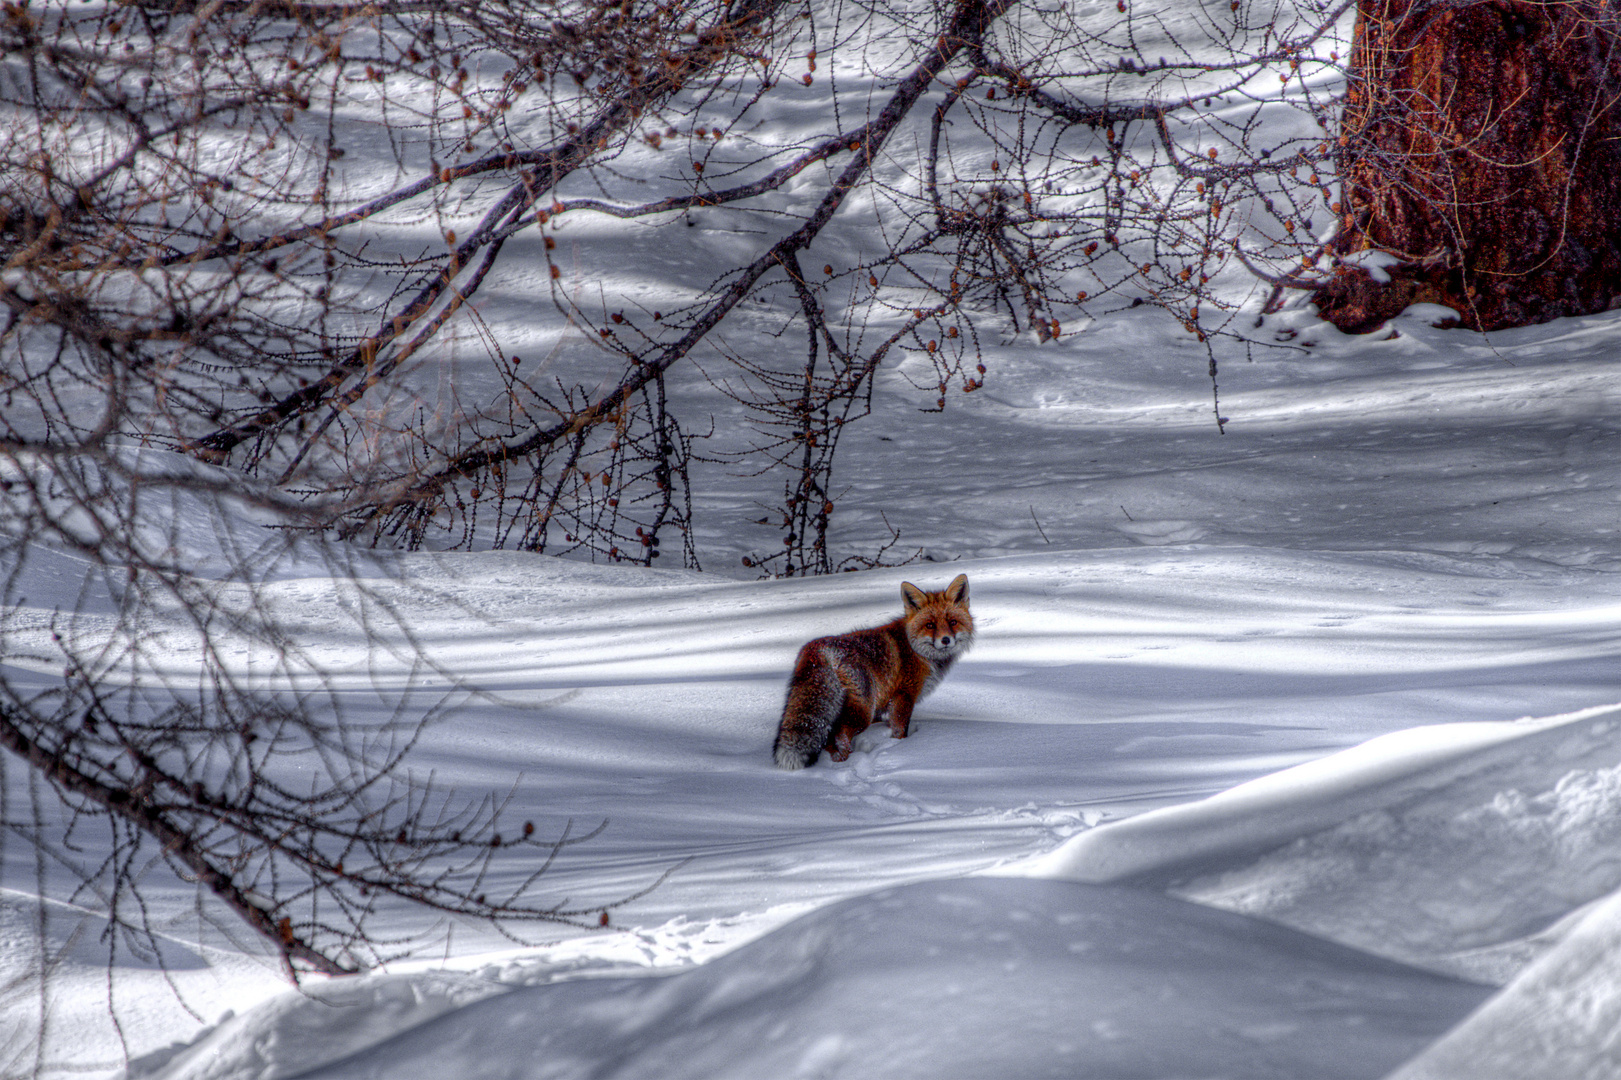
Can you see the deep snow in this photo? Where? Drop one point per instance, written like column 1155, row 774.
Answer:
column 1141, row 674
column 976, row 977
column 1409, row 538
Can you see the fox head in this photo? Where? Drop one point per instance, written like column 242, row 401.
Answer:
column 937, row 623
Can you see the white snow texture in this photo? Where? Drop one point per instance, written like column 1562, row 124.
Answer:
column 1237, row 781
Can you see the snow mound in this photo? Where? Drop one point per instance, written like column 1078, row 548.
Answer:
column 64, row 968
column 1460, row 847
column 1560, row 1018
column 987, row 977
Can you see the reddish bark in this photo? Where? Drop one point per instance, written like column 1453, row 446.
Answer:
column 1481, row 144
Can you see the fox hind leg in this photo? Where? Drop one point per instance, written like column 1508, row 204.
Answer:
column 853, row 719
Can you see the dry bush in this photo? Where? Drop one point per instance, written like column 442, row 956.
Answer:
column 187, row 221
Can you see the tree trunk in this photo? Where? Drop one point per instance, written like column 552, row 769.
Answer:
column 1481, row 145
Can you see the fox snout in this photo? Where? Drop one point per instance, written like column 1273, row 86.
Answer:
column 942, row 645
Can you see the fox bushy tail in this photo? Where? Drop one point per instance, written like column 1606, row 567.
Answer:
column 815, row 697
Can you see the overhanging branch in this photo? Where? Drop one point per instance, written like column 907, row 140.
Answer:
column 969, row 22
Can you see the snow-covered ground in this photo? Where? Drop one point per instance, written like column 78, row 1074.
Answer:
column 1408, row 541
column 1236, row 781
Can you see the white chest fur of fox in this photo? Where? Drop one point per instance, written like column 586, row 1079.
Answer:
column 844, row 683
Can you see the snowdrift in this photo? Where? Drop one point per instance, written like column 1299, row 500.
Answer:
column 1018, row 976
column 976, row 978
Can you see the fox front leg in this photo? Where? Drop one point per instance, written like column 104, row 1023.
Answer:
column 900, row 716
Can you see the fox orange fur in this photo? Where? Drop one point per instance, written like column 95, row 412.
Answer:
column 842, row 684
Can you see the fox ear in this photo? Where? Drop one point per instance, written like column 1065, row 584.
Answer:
column 913, row 596
column 957, row 591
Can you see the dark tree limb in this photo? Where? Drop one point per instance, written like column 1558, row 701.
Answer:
column 546, row 169
column 970, row 19
column 178, row 843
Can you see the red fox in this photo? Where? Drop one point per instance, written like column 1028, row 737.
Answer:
column 843, row 683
